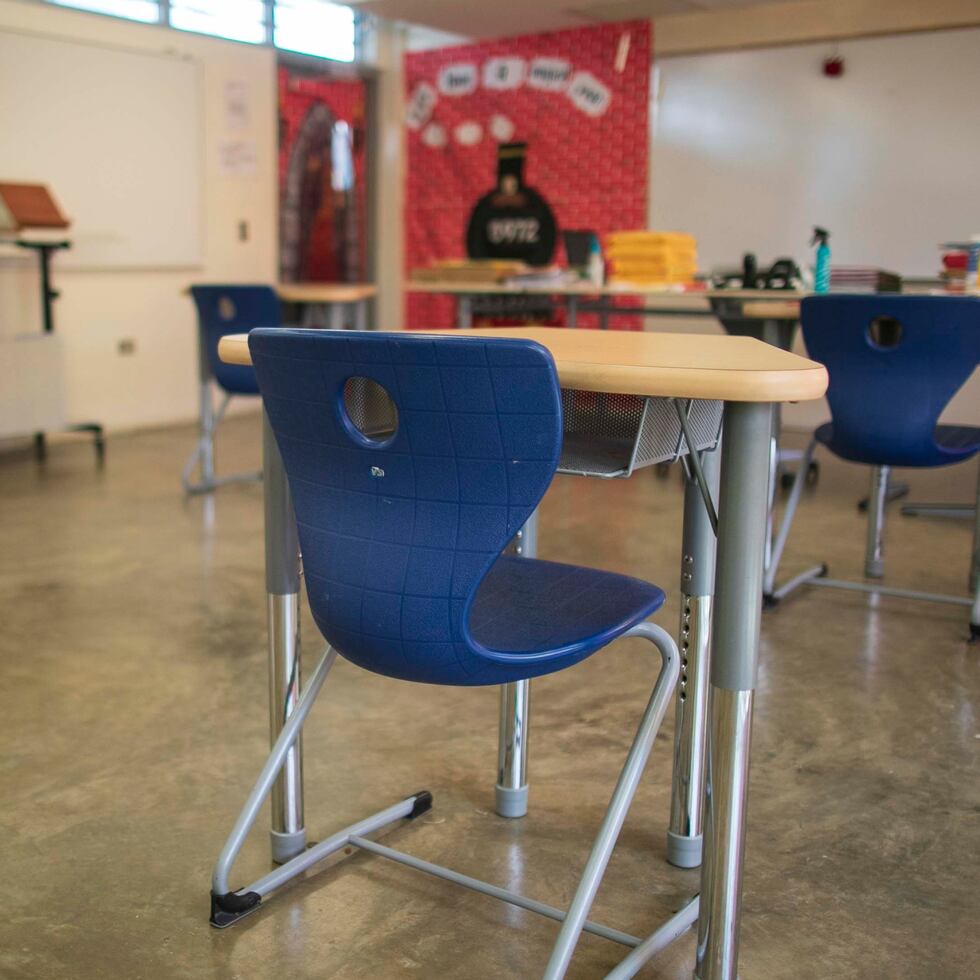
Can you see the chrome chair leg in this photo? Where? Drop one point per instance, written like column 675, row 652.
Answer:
column 877, row 499
column 511, row 789
column 622, row 797
column 772, row 595
column 202, row 455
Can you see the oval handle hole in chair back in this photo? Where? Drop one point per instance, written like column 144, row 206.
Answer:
column 369, row 412
column 227, row 309
column 884, row 333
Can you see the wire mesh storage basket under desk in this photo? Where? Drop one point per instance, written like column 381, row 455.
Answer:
column 608, row 435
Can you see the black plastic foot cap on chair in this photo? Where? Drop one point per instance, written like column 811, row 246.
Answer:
column 227, row 909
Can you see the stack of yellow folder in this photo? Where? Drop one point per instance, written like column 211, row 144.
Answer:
column 651, row 257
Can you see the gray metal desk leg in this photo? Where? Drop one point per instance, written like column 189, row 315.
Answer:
column 464, row 312
column 571, row 307
column 360, row 315
column 515, row 710
column 734, row 663
column 975, row 569
column 690, row 719
column 282, row 579
column 335, row 313
column 206, row 454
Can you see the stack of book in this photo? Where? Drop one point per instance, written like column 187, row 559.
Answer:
column 863, row 279
column 651, row 257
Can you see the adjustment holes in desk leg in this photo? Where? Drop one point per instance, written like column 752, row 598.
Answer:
column 884, row 333
column 368, row 411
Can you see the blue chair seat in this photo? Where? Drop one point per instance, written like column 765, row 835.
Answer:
column 952, row 444
column 527, row 612
column 961, row 439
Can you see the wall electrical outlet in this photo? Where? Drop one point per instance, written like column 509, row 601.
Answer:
column 126, row 347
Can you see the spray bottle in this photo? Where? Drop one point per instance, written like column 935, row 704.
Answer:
column 595, row 270
column 821, row 274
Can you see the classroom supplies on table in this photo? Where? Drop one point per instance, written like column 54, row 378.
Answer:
column 651, row 256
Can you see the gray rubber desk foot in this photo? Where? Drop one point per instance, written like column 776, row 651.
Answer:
column 874, row 569
column 287, row 846
column 684, row 852
column 511, row 803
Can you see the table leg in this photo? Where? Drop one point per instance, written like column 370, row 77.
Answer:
column 511, row 790
column 464, row 312
column 335, row 314
column 207, row 422
column 571, row 307
column 734, row 664
column 690, row 719
column 360, row 315
column 282, row 575
column 773, row 485
column 975, row 569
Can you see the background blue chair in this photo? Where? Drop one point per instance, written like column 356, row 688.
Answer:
column 895, row 363
column 413, row 461
column 221, row 310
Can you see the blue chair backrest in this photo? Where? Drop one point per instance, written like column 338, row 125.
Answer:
column 398, row 532
column 229, row 309
column 886, row 398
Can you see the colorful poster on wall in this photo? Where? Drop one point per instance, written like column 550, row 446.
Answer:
column 322, row 171
column 577, row 99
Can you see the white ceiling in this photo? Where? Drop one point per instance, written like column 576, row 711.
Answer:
column 499, row 18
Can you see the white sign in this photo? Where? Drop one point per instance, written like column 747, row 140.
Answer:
column 458, row 79
column 501, row 128
column 549, row 74
column 468, row 133
column 589, row 94
column 420, row 105
column 504, row 73
column 434, row 136
column 238, row 158
column 513, row 231
column 237, row 105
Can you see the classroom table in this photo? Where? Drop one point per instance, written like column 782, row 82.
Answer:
column 656, row 300
column 749, row 377
column 324, row 303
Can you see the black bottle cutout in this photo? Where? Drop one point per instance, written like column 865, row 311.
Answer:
column 513, row 221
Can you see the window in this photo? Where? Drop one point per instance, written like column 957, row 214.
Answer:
column 315, row 27
column 147, row 11
column 237, row 20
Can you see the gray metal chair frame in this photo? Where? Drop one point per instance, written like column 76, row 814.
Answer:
column 874, row 551
column 227, row 905
column 202, row 455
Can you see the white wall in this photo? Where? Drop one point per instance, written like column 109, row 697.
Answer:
column 750, row 148
column 157, row 384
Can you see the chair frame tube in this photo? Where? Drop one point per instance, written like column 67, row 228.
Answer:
column 817, row 575
column 228, row 905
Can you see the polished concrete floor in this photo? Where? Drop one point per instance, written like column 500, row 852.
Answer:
column 133, row 709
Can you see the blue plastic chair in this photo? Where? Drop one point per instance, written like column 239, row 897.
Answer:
column 413, row 461
column 221, row 310
column 895, row 363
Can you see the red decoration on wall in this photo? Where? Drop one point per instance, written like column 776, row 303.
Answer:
column 322, row 228
column 587, row 143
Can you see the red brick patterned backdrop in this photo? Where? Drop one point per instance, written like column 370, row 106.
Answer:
column 592, row 169
column 298, row 93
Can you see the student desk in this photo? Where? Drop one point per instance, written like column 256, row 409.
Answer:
column 749, row 377
column 762, row 305
column 324, row 303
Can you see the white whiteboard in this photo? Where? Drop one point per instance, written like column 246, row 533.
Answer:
column 116, row 134
column 753, row 148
